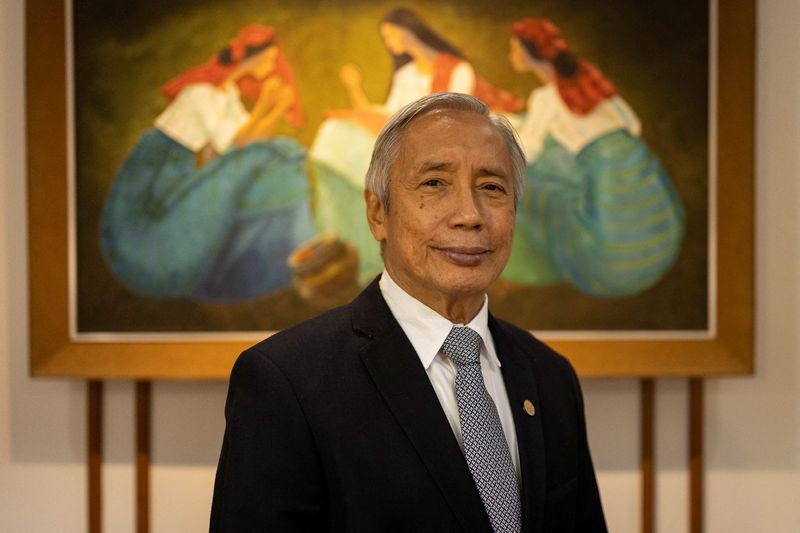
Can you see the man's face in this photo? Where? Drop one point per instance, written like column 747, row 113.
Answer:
column 449, row 225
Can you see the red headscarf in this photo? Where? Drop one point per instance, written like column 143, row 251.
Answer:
column 215, row 72
column 582, row 91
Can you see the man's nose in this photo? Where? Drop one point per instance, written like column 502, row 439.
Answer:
column 465, row 208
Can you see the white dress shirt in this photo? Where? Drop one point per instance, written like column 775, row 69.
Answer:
column 427, row 330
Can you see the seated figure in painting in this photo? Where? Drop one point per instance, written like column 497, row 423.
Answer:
column 599, row 210
column 424, row 63
column 209, row 203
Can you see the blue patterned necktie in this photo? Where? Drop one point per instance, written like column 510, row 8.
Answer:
column 485, row 446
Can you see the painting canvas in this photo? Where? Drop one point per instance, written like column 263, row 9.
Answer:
column 221, row 147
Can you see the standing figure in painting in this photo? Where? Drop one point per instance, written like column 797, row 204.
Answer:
column 424, row 63
column 599, row 210
column 209, row 203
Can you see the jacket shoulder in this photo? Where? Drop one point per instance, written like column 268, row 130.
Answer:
column 330, row 332
column 543, row 356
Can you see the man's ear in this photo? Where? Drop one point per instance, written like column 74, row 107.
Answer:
column 376, row 215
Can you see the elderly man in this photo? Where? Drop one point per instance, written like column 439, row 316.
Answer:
column 412, row 408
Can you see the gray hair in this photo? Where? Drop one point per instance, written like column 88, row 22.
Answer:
column 387, row 146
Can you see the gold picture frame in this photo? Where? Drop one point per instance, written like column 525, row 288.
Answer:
column 53, row 352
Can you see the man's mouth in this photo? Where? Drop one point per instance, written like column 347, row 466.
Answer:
column 464, row 255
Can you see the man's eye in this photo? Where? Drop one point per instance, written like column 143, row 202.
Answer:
column 433, row 182
column 493, row 187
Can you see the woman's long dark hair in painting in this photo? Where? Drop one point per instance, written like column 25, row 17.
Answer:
column 409, row 20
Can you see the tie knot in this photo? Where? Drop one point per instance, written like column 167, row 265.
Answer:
column 462, row 346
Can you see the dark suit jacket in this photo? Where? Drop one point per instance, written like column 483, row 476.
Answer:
column 333, row 426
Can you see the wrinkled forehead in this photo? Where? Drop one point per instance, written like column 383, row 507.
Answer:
column 451, row 130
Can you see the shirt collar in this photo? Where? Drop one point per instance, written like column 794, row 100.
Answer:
column 427, row 329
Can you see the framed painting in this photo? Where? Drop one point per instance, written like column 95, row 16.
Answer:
column 195, row 173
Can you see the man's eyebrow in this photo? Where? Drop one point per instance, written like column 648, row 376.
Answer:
column 428, row 166
column 487, row 170
column 492, row 171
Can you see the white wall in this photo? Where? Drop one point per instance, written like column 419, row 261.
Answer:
column 753, row 423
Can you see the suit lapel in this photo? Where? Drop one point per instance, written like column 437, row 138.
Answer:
column 398, row 374
column 519, row 378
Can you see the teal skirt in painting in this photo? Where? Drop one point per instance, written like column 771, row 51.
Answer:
column 221, row 232
column 606, row 220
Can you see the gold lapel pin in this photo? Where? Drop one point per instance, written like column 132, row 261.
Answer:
column 528, row 407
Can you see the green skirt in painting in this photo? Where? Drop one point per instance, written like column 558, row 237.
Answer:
column 339, row 161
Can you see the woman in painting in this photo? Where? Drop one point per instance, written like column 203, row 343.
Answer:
column 423, row 63
column 599, row 210
column 209, row 203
